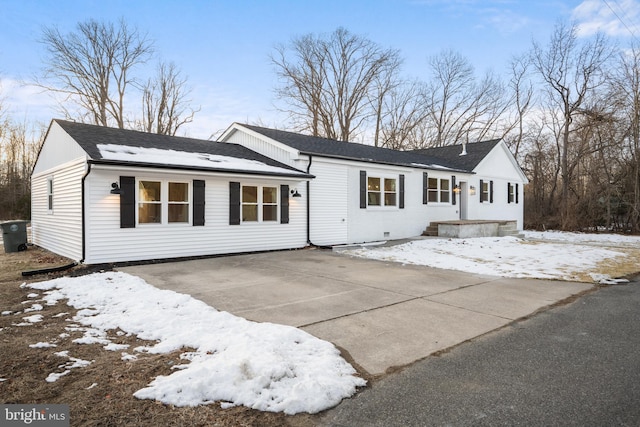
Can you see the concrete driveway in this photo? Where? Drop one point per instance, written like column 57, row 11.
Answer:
column 382, row 314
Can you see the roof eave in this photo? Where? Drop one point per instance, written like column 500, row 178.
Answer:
column 379, row 162
column 293, row 174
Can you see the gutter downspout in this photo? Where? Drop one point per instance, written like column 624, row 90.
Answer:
column 309, row 208
column 84, row 238
column 309, row 202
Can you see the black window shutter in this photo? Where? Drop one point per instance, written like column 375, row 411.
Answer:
column 490, row 191
column 481, row 190
column 284, row 204
column 401, row 191
column 516, row 193
column 198, row 202
column 509, row 192
column 363, row 189
column 127, row 202
column 425, row 188
column 234, row 203
column 453, row 189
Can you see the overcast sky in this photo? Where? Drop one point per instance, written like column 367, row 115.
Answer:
column 223, row 46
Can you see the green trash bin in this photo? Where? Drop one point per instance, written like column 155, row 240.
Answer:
column 14, row 235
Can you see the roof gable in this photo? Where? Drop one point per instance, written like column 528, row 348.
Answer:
column 120, row 146
column 476, row 152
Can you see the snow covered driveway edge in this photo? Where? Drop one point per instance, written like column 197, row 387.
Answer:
column 263, row 366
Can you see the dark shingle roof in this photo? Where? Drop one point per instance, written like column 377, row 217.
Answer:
column 353, row 151
column 476, row 151
column 448, row 157
column 90, row 136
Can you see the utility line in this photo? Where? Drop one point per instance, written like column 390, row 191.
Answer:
column 620, row 19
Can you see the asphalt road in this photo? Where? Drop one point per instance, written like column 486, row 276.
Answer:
column 573, row 365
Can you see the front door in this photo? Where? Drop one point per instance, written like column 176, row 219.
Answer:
column 464, row 194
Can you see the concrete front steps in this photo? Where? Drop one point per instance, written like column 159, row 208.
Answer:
column 473, row 228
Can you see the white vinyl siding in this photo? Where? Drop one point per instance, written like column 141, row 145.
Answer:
column 107, row 242
column 59, row 230
column 60, row 149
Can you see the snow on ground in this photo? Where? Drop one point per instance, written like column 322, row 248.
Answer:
column 235, row 361
column 543, row 255
column 279, row 368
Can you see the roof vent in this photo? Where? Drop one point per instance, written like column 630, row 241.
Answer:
column 464, row 149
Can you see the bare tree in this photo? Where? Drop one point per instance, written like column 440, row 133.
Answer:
column 624, row 94
column 164, row 102
column 18, row 152
column 403, row 112
column 520, row 101
column 571, row 71
column 329, row 81
column 93, row 67
column 461, row 108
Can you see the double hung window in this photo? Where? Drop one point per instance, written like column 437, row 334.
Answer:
column 259, row 203
column 162, row 202
column 439, row 190
column 381, row 191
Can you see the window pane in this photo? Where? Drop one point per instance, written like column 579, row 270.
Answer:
column 373, row 184
column 389, row 199
column 389, row 184
column 444, row 184
column 249, row 213
column 444, row 196
column 249, row 194
column 433, row 196
column 178, row 212
column 374, row 198
column 269, row 195
column 149, row 213
column 178, row 192
column 149, row 191
column 270, row 213
column 433, row 183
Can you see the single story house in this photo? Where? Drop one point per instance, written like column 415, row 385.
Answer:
column 102, row 195
column 363, row 193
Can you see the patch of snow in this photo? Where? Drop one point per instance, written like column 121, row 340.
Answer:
column 259, row 365
column 497, row 256
column 115, row 347
column 33, row 295
column 73, row 363
column 605, row 279
column 34, row 307
column 33, row 318
column 55, row 376
column 91, row 386
column 128, row 357
column 42, row 345
column 6, row 313
column 183, row 158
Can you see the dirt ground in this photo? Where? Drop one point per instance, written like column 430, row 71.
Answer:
column 100, row 394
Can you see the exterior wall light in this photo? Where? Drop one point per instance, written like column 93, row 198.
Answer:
column 472, row 190
column 456, row 189
column 115, row 188
column 294, row 193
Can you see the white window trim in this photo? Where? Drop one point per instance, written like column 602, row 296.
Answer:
column 488, row 192
column 164, row 203
column 260, row 203
column 50, row 195
column 438, row 190
column 382, row 192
